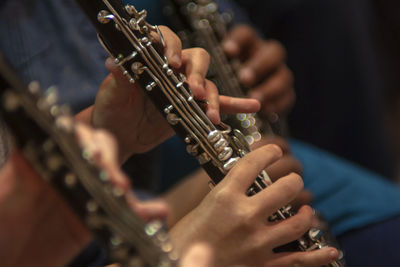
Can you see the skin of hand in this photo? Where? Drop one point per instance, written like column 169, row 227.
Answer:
column 194, row 187
column 263, row 68
column 198, row 255
column 285, row 165
column 230, row 221
column 37, row 226
column 102, row 148
column 125, row 110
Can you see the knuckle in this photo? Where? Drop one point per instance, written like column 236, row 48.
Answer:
column 300, row 227
column 293, row 165
column 211, row 85
column 244, row 219
column 308, row 214
column 278, row 48
column 273, row 150
column 302, row 223
column 296, row 181
column 291, row 184
column 222, row 196
column 203, row 53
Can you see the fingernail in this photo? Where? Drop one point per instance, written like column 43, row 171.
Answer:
column 246, row 76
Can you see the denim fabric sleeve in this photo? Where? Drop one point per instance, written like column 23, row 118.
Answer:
column 347, row 195
column 52, row 41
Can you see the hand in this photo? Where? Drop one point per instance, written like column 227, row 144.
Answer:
column 38, row 228
column 263, row 68
column 236, row 225
column 284, row 166
column 198, row 255
column 102, row 148
column 126, row 111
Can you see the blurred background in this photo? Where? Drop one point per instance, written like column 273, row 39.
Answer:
column 345, row 56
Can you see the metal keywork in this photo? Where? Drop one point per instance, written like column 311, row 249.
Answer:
column 104, row 17
column 153, row 66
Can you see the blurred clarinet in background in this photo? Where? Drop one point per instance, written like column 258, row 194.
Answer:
column 200, row 23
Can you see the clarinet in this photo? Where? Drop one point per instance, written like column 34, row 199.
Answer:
column 199, row 23
column 127, row 37
column 44, row 132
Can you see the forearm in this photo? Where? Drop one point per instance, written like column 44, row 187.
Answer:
column 184, row 197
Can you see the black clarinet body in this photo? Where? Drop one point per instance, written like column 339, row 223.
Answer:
column 127, row 37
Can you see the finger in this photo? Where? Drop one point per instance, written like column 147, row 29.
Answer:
column 198, row 255
column 195, row 63
column 276, row 85
column 247, row 169
column 304, row 198
column 109, row 159
column 101, row 147
column 279, row 141
column 282, row 104
column 284, row 166
column 316, row 258
column 116, row 72
column 212, row 109
column 116, row 90
column 173, row 47
column 231, row 105
column 288, row 230
column 266, row 59
column 279, row 194
column 116, row 84
column 148, row 210
column 239, row 39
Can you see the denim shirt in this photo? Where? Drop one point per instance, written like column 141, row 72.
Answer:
column 52, row 42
